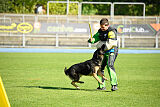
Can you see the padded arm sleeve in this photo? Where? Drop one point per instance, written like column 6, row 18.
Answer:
column 112, row 41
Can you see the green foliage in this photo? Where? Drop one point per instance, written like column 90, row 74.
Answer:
column 96, row 9
column 28, row 7
column 57, row 8
column 103, row 9
column 152, row 9
column 132, row 10
column 61, row 9
column 73, row 9
column 20, row 6
column 38, row 80
column 5, row 6
column 88, row 9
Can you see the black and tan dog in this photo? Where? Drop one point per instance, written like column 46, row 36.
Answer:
column 89, row 68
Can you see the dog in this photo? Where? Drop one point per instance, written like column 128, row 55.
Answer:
column 90, row 67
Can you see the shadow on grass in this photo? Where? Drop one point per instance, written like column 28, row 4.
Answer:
column 62, row 88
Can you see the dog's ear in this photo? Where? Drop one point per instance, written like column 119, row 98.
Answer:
column 95, row 55
column 103, row 47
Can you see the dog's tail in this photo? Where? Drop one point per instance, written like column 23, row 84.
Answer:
column 66, row 71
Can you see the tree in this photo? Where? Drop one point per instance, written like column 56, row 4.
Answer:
column 28, row 7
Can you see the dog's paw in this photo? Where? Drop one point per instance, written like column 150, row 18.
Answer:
column 78, row 88
column 105, row 79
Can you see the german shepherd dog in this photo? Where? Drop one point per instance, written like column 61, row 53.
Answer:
column 88, row 68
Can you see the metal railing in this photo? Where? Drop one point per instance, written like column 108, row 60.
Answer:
column 112, row 6
column 74, row 40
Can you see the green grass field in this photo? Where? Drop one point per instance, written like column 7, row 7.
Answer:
column 38, row 80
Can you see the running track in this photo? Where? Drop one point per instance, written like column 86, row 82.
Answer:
column 40, row 50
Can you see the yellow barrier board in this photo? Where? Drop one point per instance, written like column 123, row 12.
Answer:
column 4, row 102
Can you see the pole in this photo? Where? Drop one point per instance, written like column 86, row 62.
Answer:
column 47, row 8
column 90, row 29
column 23, row 37
column 157, row 39
column 67, row 7
column 57, row 41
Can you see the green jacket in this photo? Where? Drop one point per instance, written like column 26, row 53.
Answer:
column 110, row 33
